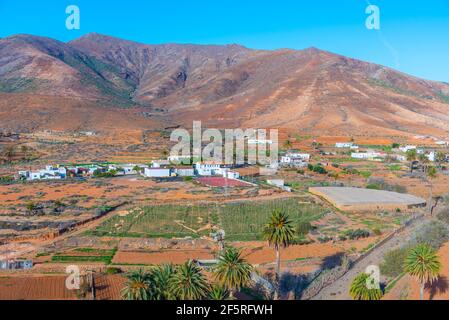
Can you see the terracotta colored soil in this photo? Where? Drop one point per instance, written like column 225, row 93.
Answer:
column 35, row 288
column 259, row 252
column 222, row 182
column 174, row 256
column 109, row 287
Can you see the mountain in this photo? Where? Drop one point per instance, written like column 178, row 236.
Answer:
column 308, row 91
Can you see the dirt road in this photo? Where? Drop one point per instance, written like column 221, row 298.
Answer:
column 339, row 290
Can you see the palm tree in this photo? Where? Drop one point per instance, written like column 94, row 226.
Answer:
column 423, row 264
column 279, row 232
column 219, row 293
column 288, row 144
column 411, row 157
column 424, row 161
column 188, row 283
column 431, row 174
column 161, row 276
column 232, row 271
column 360, row 289
column 138, row 286
column 440, row 158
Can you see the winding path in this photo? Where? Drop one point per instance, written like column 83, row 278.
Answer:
column 339, row 290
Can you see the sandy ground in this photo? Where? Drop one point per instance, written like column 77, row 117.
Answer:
column 255, row 252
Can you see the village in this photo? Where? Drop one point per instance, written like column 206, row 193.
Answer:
column 346, row 196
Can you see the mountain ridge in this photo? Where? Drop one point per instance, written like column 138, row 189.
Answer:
column 308, row 90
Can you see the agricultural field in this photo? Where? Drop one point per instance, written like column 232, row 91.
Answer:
column 85, row 255
column 242, row 221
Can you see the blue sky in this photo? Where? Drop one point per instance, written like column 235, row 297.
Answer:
column 413, row 38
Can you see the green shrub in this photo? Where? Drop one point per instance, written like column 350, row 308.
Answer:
column 317, row 168
column 303, row 228
column 365, row 174
column 113, row 270
column 30, row 206
column 434, row 234
column 357, row 234
column 393, row 263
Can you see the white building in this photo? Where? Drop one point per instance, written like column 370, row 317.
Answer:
column 179, row 159
column 407, row 148
column 157, row 172
column 128, row 169
column 230, row 174
column 367, row 155
column 344, row 145
column 49, row 173
column 159, row 163
column 279, row 183
column 207, row 169
column 301, row 156
column 295, row 159
column 184, row 172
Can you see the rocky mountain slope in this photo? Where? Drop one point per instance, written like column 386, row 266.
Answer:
column 308, row 90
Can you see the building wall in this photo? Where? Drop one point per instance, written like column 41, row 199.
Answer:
column 157, row 173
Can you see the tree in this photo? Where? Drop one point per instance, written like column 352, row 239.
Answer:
column 423, row 263
column 335, row 176
column 431, row 174
column 138, row 286
column 137, row 169
column 218, row 292
column 161, row 276
column 188, row 283
column 411, row 157
column 232, row 271
column 424, row 161
column 279, row 232
column 288, row 144
column 361, row 290
column 9, row 153
column 440, row 158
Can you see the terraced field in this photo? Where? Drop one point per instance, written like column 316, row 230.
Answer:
column 242, row 221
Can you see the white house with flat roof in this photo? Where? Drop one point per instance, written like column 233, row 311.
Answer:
column 157, row 172
column 49, row 173
column 295, row 159
column 368, row 155
column 407, row 148
column 344, row 145
column 207, row 169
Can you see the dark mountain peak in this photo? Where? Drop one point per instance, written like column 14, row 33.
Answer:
column 99, row 38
